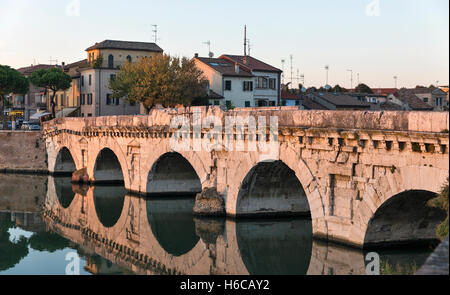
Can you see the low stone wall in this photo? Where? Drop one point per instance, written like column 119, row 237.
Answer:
column 22, row 152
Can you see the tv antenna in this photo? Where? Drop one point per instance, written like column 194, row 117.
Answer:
column 292, row 68
column 395, row 79
column 53, row 60
column 282, row 66
column 327, row 68
column 155, row 33
column 210, row 54
column 249, row 46
column 351, row 79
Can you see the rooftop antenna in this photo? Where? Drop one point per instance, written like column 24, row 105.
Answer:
column 283, row 61
column 298, row 79
column 155, row 32
column 358, row 78
column 53, row 60
column 327, row 67
column 249, row 47
column 351, row 79
column 292, row 68
column 210, row 54
column 302, row 77
column 245, row 40
column 395, row 78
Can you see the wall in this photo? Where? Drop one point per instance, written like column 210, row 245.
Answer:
column 22, row 151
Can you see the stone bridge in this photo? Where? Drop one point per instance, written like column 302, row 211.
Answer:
column 363, row 177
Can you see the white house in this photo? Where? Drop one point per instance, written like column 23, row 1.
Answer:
column 229, row 84
column 267, row 79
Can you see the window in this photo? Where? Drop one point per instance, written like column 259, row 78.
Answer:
column 90, row 80
column 89, row 115
column 82, row 81
column 129, row 58
column 132, row 103
column 89, row 98
column 272, row 84
column 217, row 103
column 228, row 85
column 247, row 104
column 111, row 61
column 112, row 77
column 83, row 101
column 108, row 99
column 271, row 103
column 248, row 85
column 425, row 99
column 297, row 102
column 117, row 101
column 261, row 82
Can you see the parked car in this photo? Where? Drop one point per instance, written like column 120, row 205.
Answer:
column 34, row 127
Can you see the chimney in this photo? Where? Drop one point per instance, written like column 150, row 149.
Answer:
column 236, row 68
column 196, row 55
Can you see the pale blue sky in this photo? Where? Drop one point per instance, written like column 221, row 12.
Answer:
column 408, row 38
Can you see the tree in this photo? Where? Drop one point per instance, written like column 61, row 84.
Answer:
column 11, row 81
column 311, row 89
column 363, row 88
column 163, row 79
column 338, row 89
column 53, row 79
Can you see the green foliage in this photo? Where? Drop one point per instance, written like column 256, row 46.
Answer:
column 11, row 81
column 441, row 202
column 363, row 88
column 11, row 253
column 47, row 241
column 200, row 101
column 98, row 62
column 229, row 105
column 386, row 268
column 53, row 79
column 163, row 79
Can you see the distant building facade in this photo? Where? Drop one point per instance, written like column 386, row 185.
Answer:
column 240, row 81
column 95, row 96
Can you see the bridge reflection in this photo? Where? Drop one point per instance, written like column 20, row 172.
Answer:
column 159, row 235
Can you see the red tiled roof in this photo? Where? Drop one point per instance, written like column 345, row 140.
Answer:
column 289, row 96
column 251, row 63
column 26, row 71
column 385, row 91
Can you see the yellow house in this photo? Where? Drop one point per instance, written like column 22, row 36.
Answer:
column 103, row 62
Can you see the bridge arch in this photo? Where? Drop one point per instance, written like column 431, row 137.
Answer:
column 64, row 163
column 109, row 203
column 271, row 188
column 172, row 173
column 108, row 167
column 416, row 224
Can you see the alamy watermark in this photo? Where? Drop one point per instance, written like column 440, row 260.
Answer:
column 235, row 133
column 373, row 8
column 73, row 265
column 73, row 8
column 373, row 265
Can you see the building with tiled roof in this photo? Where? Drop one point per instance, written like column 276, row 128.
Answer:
column 35, row 99
column 338, row 101
column 229, row 84
column 412, row 102
column 433, row 96
column 290, row 99
column 103, row 61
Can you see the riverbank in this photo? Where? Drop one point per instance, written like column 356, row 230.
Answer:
column 437, row 263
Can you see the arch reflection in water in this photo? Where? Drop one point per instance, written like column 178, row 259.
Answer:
column 172, row 223
column 275, row 246
column 64, row 192
column 109, row 201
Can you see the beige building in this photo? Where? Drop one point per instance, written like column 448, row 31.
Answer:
column 103, row 62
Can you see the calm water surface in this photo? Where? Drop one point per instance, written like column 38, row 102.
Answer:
column 43, row 219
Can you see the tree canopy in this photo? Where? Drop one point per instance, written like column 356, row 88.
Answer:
column 162, row 79
column 11, row 81
column 363, row 88
column 53, row 79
